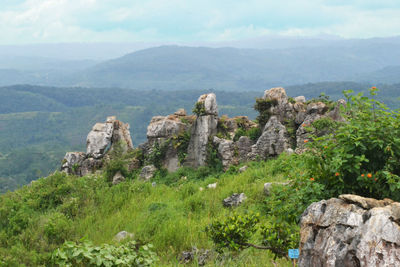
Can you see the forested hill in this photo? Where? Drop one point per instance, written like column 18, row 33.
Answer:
column 225, row 68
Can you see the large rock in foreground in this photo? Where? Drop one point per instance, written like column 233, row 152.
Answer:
column 350, row 231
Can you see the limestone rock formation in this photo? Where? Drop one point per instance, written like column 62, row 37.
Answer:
column 203, row 129
column 98, row 141
column 72, row 161
column 282, row 108
column 244, row 145
column 226, row 151
column 162, row 129
column 234, row 200
column 350, row 231
column 121, row 135
column 274, row 139
column 122, row 236
column 147, row 172
column 118, row 178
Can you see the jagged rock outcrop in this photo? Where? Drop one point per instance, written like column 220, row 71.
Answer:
column 180, row 139
column 273, row 141
column 350, row 231
column 161, row 129
column 234, row 200
column 282, row 108
column 226, row 151
column 99, row 141
column 147, row 172
column 203, row 129
column 72, row 162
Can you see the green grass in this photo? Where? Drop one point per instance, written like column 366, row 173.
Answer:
column 171, row 215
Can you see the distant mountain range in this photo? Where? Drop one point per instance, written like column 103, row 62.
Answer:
column 233, row 69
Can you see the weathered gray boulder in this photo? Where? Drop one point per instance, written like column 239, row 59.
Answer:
column 165, row 127
column 72, row 162
column 316, row 107
column 350, row 231
column 122, row 236
column 234, row 200
column 244, row 145
column 274, row 139
column 300, row 99
column 90, row 165
column 147, row 172
column 226, row 151
column 302, row 134
column 243, row 169
column 118, row 178
column 203, row 129
column 98, row 141
column 335, row 113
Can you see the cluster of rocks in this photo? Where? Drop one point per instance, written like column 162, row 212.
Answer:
column 205, row 130
column 101, row 139
column 350, row 231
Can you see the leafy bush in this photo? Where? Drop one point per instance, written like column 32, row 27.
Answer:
column 86, row 254
column 362, row 156
column 199, row 109
column 234, row 232
column 280, row 236
column 263, row 106
column 181, row 144
column 113, row 166
column 57, row 228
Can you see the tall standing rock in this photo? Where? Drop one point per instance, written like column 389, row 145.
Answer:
column 98, row 141
column 121, row 135
column 203, row 128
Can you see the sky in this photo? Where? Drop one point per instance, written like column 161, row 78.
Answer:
column 87, row 21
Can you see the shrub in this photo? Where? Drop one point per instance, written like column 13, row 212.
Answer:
column 113, row 166
column 86, row 254
column 57, row 228
column 362, row 156
column 263, row 106
column 199, row 109
column 234, row 232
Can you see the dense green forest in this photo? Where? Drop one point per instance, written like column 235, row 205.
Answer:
column 39, row 124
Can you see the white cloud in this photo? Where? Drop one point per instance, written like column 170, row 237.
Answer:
column 38, row 21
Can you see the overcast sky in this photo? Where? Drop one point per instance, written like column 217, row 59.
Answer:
column 55, row 21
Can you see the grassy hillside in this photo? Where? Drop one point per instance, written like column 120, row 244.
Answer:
column 171, row 215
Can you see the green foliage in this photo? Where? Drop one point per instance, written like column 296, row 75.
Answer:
column 181, row 144
column 199, row 109
column 114, row 165
column 58, row 228
column 362, row 156
column 158, row 152
column 234, row 232
column 263, row 106
column 280, row 236
column 86, row 254
column 324, row 126
column 212, row 160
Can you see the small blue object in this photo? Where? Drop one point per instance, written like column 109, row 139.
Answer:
column 294, row 253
